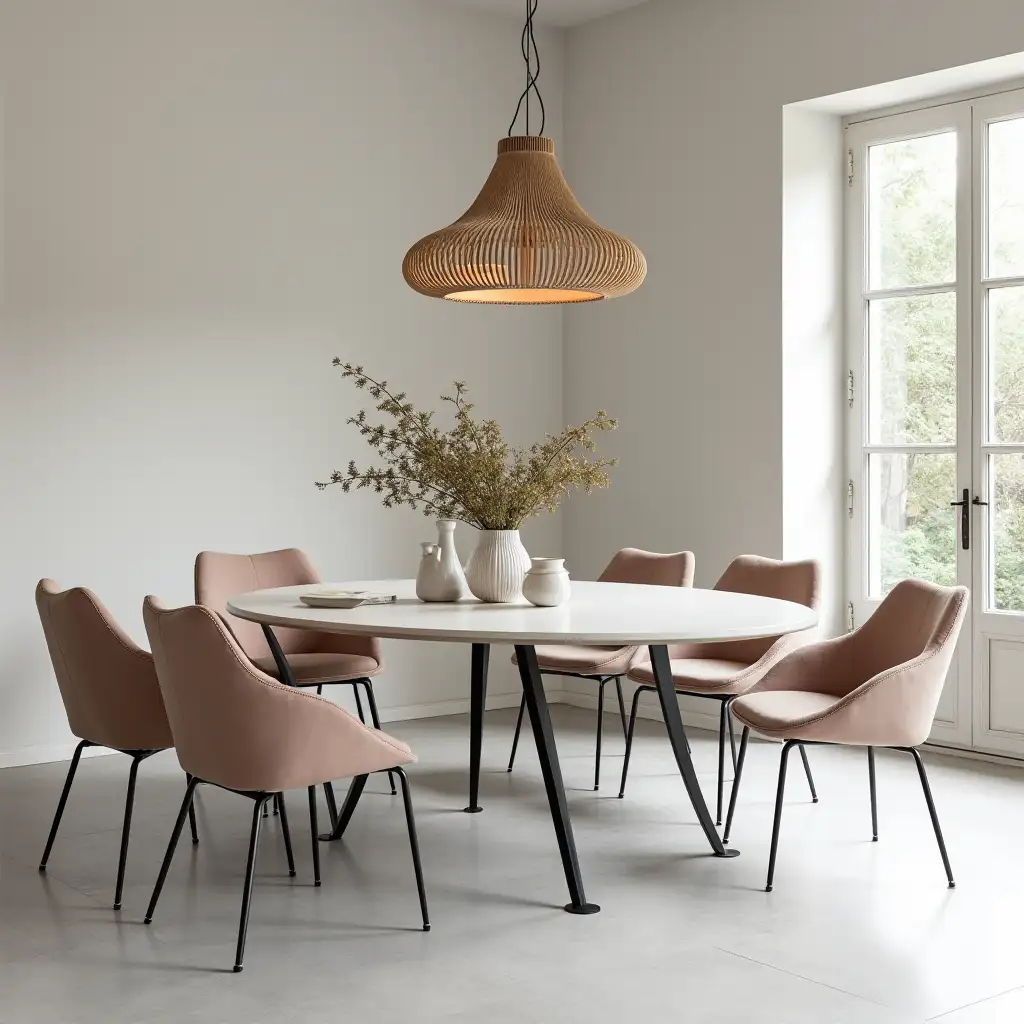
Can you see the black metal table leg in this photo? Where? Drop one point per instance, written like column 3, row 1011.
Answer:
column 515, row 738
column 477, row 700
column 677, row 737
column 355, row 791
column 543, row 734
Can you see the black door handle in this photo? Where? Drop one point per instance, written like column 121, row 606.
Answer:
column 965, row 519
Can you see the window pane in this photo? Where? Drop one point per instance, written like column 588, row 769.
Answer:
column 1006, row 364
column 912, row 370
column 912, row 527
column 1007, row 526
column 1006, row 198
column 912, row 212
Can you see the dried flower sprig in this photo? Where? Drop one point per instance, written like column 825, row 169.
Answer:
column 469, row 472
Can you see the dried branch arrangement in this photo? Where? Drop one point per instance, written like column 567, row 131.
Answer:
column 468, row 472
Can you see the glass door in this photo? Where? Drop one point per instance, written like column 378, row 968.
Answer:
column 909, row 317
column 998, row 327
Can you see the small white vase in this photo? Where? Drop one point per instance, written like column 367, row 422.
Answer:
column 440, row 576
column 498, row 566
column 547, row 583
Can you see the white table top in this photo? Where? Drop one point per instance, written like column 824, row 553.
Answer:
column 617, row 614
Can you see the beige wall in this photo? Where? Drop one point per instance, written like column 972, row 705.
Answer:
column 203, row 202
column 674, row 115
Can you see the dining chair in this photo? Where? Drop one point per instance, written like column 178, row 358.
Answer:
column 110, row 694
column 723, row 671
column 313, row 658
column 878, row 686
column 605, row 665
column 237, row 728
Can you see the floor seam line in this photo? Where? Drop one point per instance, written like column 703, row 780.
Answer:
column 976, row 1002
column 813, row 981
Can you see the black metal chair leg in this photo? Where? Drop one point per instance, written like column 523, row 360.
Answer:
column 807, row 772
column 736, row 783
column 179, row 824
column 250, row 865
column 874, row 797
column 355, row 791
column 414, row 847
column 359, row 702
column 732, row 733
column 332, row 803
column 192, row 814
column 931, row 811
column 629, row 740
column 63, row 800
column 375, row 718
column 600, row 725
column 126, row 828
column 784, row 761
column 721, row 760
column 622, row 706
column 286, row 832
column 314, row 832
column 515, row 738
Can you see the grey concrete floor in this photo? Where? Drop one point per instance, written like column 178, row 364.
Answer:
column 854, row 932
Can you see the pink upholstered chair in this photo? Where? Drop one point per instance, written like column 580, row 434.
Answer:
column 878, row 686
column 237, row 728
column 313, row 659
column 609, row 664
column 723, row 671
column 110, row 694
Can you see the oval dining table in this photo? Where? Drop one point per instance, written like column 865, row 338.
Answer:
column 597, row 614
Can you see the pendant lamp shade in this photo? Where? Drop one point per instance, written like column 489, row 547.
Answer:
column 525, row 240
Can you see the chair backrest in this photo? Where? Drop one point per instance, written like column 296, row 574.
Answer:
column 238, row 728
column 913, row 619
column 799, row 582
column 631, row 565
column 107, row 682
column 220, row 576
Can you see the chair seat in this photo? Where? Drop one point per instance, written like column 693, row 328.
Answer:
column 313, row 669
column 711, row 675
column 584, row 661
column 784, row 713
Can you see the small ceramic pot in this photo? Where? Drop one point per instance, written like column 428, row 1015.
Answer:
column 547, row 582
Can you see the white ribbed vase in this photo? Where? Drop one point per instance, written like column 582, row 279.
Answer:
column 498, row 566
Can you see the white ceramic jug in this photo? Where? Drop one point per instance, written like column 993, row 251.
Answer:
column 440, row 576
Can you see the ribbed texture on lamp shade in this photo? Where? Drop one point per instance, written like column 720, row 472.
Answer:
column 524, row 240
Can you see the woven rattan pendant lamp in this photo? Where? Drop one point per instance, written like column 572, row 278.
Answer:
column 525, row 239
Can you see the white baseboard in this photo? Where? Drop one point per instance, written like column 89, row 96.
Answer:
column 438, row 709
column 47, row 753
column 691, row 719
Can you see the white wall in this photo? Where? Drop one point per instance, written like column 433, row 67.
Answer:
column 813, row 366
column 674, row 119
column 204, row 201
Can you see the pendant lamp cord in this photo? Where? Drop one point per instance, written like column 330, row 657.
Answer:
column 528, row 46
